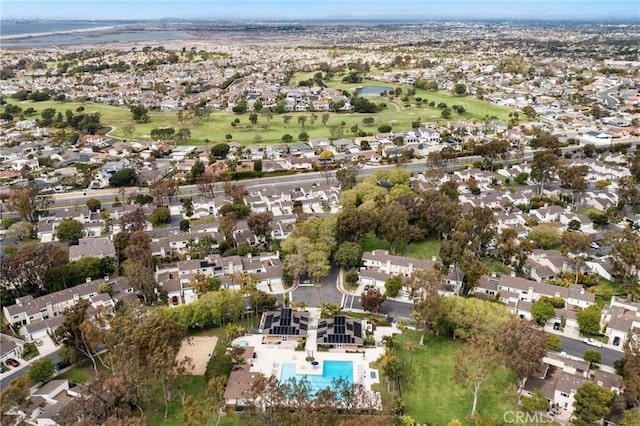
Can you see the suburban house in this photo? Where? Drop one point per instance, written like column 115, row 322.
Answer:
column 619, row 318
column 340, row 332
column 28, row 309
column 379, row 266
column 513, row 291
column 559, row 378
column 92, row 247
column 285, row 323
column 10, row 347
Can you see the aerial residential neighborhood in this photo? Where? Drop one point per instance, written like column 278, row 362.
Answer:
column 319, row 223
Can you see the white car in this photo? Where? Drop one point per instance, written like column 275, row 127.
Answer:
column 592, row 342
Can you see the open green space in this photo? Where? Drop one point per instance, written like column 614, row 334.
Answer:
column 214, row 129
column 426, row 249
column 76, row 375
column 419, row 249
column 372, row 242
column 604, row 290
column 430, row 394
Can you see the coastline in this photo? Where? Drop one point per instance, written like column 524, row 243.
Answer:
column 51, row 33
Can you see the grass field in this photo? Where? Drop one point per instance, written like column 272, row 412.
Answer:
column 424, row 249
column 433, row 398
column 76, row 375
column 214, row 129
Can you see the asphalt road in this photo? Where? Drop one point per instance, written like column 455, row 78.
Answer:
column 24, row 368
column 577, row 348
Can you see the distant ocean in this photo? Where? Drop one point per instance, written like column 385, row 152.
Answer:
column 14, row 28
column 48, row 34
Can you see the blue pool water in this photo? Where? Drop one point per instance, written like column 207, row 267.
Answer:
column 330, row 370
column 243, row 343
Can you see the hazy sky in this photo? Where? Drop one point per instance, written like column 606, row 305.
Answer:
column 325, row 9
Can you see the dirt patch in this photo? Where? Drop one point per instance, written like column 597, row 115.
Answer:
column 199, row 349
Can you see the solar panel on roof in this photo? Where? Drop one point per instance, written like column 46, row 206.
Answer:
column 357, row 329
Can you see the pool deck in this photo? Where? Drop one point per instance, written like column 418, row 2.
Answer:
column 270, row 356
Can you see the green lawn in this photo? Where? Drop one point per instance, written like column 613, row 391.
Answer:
column 196, row 387
column 497, row 267
column 76, row 375
column 604, row 290
column 424, row 249
column 433, row 398
column 398, row 113
column 371, row 242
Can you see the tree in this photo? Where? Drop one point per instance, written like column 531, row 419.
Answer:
column 371, row 300
column 164, row 189
column 630, row 417
column 70, row 231
column 207, row 185
column 140, row 269
column 220, row 150
column 460, row 89
column 589, row 319
column 542, row 311
column 446, row 113
column 393, row 285
column 158, row 340
column 536, row 402
column 237, row 192
column 593, row 357
column 473, row 363
column 428, row 309
column 133, row 221
column 81, row 332
column 625, row 254
column 575, row 242
column 19, row 231
column 160, row 215
column 41, row 370
column 631, row 368
column 353, row 223
column 545, row 235
column 139, row 113
column 318, row 266
column 94, row 204
column 553, row 342
column 347, row 174
column 544, row 167
column 294, row 265
column 260, row 225
column 200, row 411
column 393, row 225
column 348, row 255
column 591, row 403
column 15, row 395
column 124, row 177
column 522, row 348
column 28, row 202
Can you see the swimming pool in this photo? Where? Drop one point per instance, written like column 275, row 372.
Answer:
column 330, row 370
column 243, row 343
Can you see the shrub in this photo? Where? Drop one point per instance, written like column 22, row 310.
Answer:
column 553, row 342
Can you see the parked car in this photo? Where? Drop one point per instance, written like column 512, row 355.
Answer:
column 591, row 342
column 3, row 368
column 38, row 342
column 367, row 287
column 12, row 362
